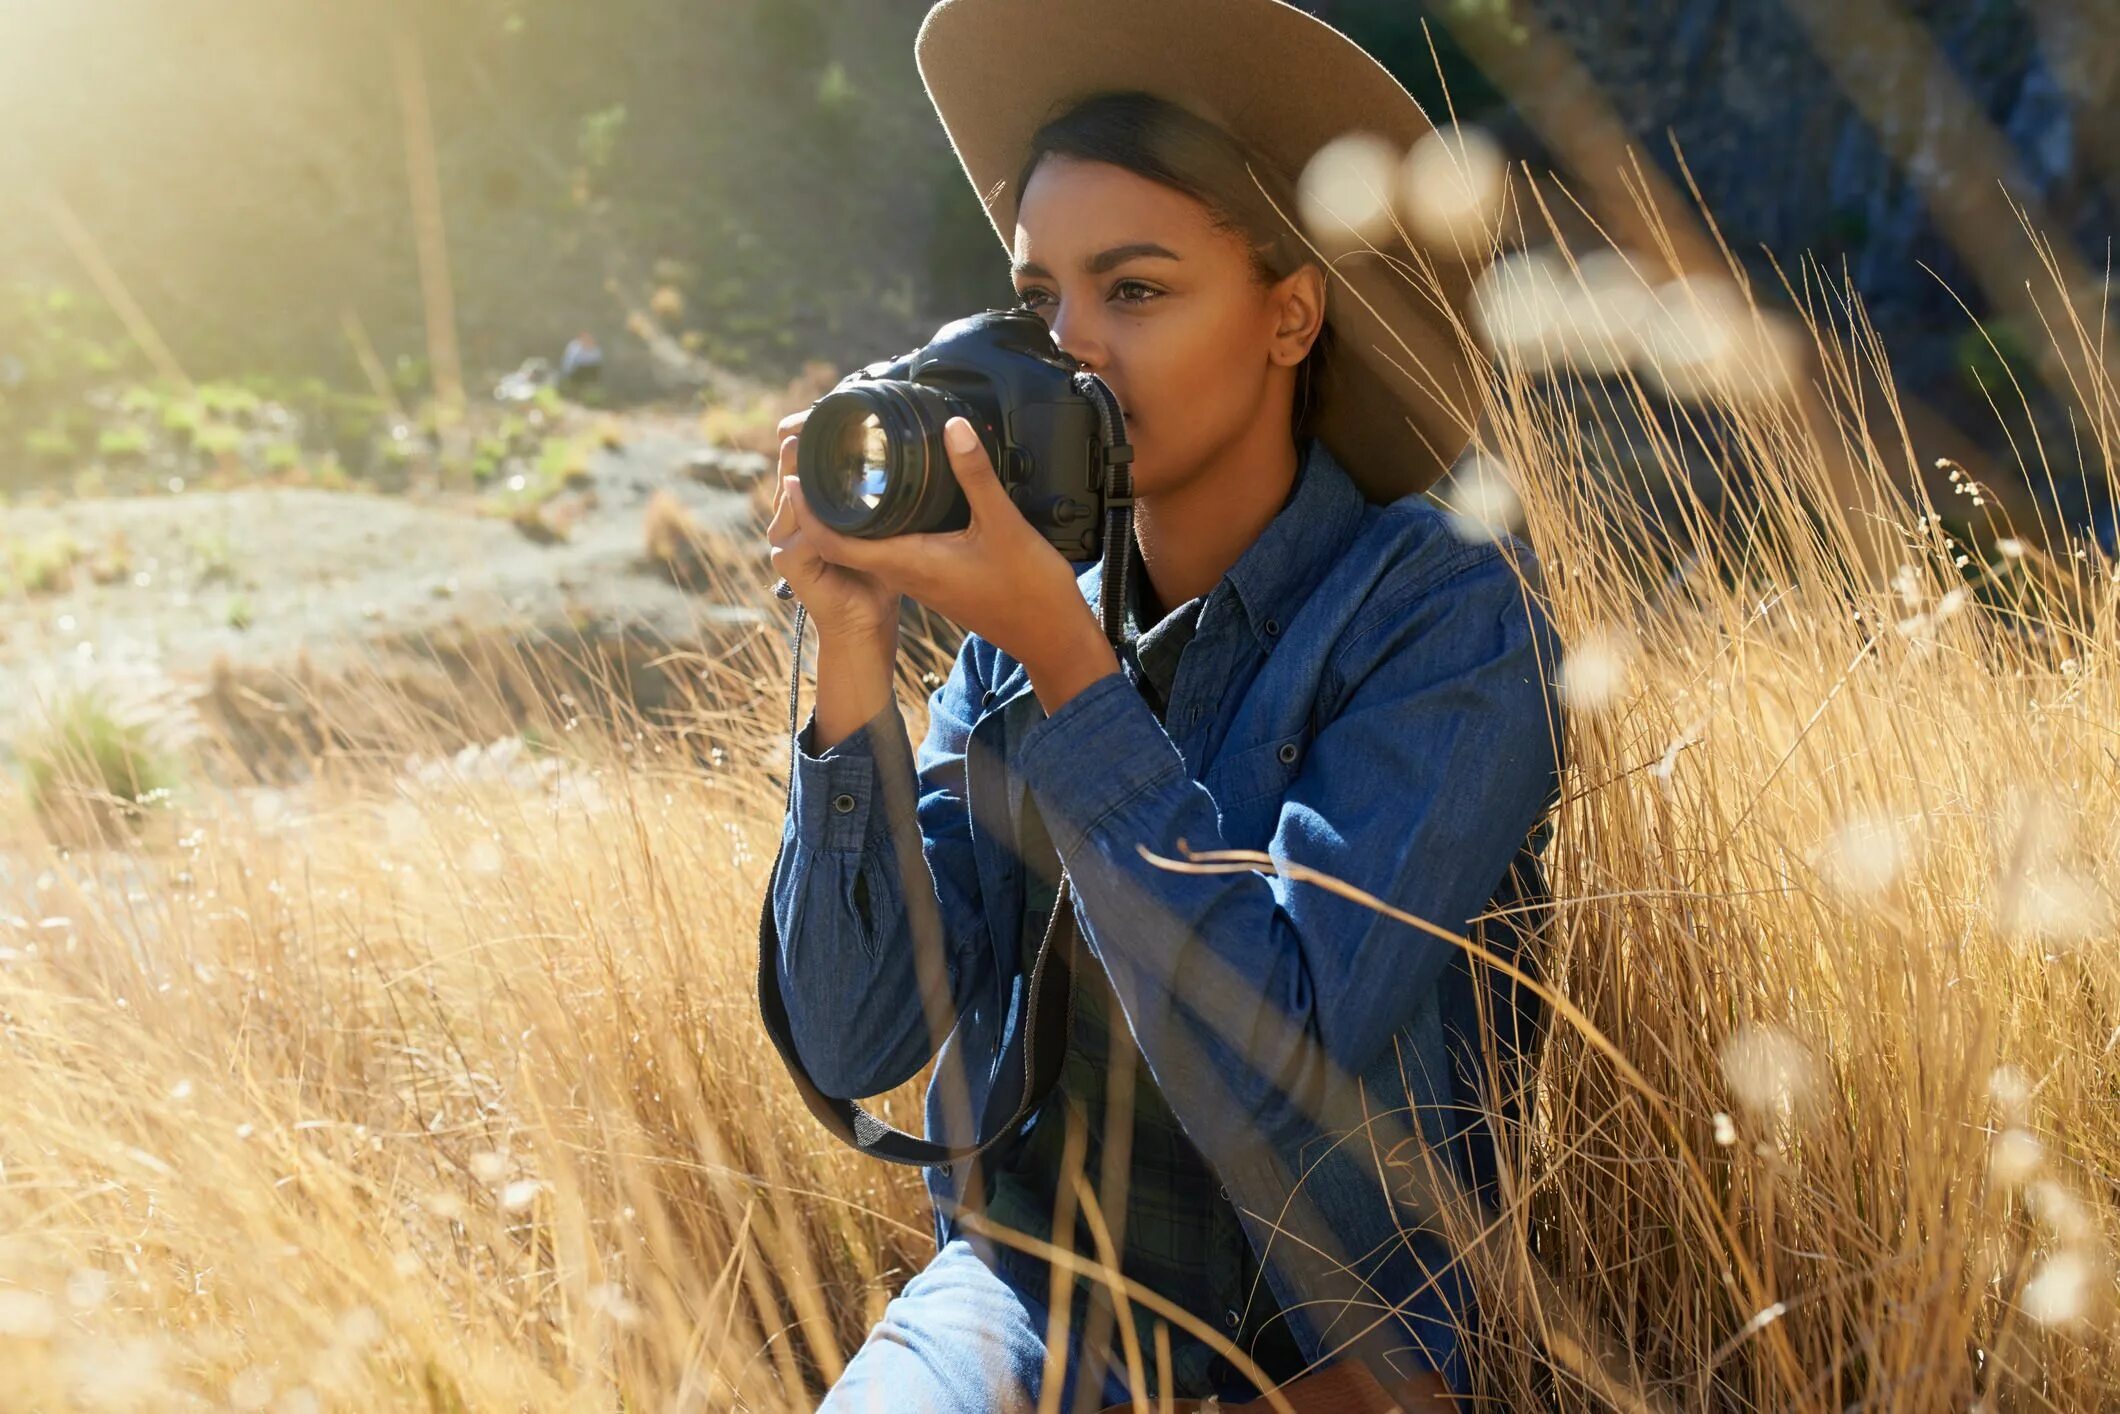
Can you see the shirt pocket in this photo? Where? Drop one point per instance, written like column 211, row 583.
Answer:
column 1248, row 787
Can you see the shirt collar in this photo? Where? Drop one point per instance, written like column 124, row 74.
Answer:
column 1309, row 532
column 1156, row 647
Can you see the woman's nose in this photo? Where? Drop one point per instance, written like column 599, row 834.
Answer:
column 1077, row 341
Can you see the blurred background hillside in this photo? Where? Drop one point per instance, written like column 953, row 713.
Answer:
column 754, row 184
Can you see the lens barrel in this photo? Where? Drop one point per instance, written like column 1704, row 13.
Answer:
column 872, row 463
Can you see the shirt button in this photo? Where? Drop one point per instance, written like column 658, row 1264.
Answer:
column 1273, row 627
column 1224, row 1192
column 1287, row 753
column 1230, row 1318
column 843, row 803
column 987, row 698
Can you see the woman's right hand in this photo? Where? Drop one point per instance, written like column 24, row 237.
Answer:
column 845, row 604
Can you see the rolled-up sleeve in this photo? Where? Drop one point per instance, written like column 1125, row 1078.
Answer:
column 876, row 860
column 1250, row 993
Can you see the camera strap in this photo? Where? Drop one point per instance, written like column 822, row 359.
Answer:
column 1049, row 1014
column 1049, row 1007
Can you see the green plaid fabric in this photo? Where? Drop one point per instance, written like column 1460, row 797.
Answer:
column 1180, row 1235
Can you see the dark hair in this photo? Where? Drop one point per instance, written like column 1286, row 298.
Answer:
column 1155, row 138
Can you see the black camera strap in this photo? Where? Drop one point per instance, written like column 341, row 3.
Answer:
column 1049, row 1017
column 1049, row 1008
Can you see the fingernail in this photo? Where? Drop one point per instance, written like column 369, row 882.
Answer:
column 959, row 435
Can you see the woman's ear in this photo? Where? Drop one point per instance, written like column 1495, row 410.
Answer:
column 1298, row 299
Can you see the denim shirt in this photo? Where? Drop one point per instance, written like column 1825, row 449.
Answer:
column 1366, row 696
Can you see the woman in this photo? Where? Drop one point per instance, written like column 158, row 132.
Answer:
column 1317, row 667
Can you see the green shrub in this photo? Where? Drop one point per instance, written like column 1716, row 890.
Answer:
column 182, row 418
column 141, row 401
column 229, row 400
column 44, row 565
column 836, row 93
column 127, row 443
column 328, row 473
column 218, row 439
column 51, row 444
column 89, row 764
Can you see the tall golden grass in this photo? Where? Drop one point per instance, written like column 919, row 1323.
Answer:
column 434, row 1079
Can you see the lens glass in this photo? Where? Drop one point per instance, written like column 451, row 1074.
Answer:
column 859, row 465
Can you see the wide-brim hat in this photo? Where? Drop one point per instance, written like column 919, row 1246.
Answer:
column 1397, row 403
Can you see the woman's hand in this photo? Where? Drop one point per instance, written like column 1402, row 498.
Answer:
column 848, row 605
column 997, row 577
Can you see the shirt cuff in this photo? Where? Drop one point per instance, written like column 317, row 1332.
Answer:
column 834, row 791
column 1100, row 750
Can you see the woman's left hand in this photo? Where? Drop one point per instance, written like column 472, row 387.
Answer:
column 998, row 577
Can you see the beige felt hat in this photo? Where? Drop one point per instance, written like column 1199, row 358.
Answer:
column 1397, row 403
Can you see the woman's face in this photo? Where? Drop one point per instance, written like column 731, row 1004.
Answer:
column 1136, row 282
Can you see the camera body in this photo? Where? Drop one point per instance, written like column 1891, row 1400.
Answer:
column 870, row 454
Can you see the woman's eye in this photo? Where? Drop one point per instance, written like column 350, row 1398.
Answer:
column 1027, row 299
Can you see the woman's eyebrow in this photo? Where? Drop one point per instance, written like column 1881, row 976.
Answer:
column 1103, row 260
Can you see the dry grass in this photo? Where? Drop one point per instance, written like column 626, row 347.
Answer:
column 674, row 541
column 438, row 1084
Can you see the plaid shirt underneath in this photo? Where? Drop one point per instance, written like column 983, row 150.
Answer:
column 1180, row 1238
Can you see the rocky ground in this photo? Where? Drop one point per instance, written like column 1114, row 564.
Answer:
column 263, row 576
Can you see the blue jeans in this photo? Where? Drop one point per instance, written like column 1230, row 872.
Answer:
column 959, row 1337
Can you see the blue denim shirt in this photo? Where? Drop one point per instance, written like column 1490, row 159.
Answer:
column 1367, row 696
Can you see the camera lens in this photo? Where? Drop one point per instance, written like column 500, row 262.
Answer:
column 855, row 471
column 872, row 464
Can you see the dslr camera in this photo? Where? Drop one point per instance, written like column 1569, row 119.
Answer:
column 872, row 463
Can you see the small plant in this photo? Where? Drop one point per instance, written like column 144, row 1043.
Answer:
column 141, row 401
column 282, row 456
column 229, row 400
column 93, row 765
column 218, row 439
column 51, row 444
column 126, row 443
column 559, row 460
column 836, row 94
column 112, row 562
column 328, row 473
column 537, row 527
column 674, row 540
column 238, row 614
column 182, row 419
column 749, row 428
column 598, row 136
column 44, row 565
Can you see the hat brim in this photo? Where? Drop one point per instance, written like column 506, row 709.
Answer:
column 1398, row 400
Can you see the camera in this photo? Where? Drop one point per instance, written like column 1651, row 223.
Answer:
column 870, row 454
